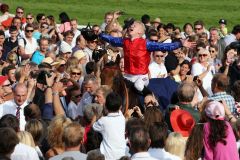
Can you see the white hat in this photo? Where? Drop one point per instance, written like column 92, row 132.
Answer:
column 79, row 54
column 65, row 47
column 50, row 61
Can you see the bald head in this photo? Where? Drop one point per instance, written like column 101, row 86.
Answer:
column 186, row 92
column 20, row 94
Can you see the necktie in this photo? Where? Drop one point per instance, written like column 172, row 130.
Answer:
column 18, row 113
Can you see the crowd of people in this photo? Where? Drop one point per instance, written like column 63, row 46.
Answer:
column 58, row 102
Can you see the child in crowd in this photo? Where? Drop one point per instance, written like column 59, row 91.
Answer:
column 112, row 128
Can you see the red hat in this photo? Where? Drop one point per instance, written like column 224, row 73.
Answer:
column 3, row 79
column 182, row 122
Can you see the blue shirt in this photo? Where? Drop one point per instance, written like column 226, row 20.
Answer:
column 37, row 57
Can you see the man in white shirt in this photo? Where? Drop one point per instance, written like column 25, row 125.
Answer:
column 27, row 45
column 139, row 144
column 17, row 105
column 157, row 68
column 74, row 25
column 158, row 133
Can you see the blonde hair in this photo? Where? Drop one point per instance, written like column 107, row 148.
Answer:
column 142, row 27
column 35, row 127
column 55, row 130
column 175, row 144
column 71, row 63
column 26, row 138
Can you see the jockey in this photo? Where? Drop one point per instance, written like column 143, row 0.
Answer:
column 137, row 53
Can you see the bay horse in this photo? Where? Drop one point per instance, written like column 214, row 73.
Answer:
column 112, row 76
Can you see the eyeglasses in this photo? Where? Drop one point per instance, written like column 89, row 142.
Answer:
column 7, row 85
column 202, row 55
column 197, row 28
column 158, row 56
column 78, row 96
column 211, row 51
column 76, row 73
column 29, row 18
column 29, row 31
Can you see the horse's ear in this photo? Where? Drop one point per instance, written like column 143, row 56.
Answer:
column 118, row 58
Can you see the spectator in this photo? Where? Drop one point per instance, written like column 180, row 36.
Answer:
column 107, row 19
column 39, row 55
column 55, row 134
column 21, row 151
column 74, row 111
column 6, row 89
column 101, row 94
column 185, row 94
column 139, row 143
column 203, row 70
column 8, row 141
column 90, row 86
column 220, row 83
column 158, row 132
column 218, row 140
column 157, row 68
column 36, row 128
column 27, row 45
column 26, row 138
column 112, row 128
column 187, row 30
column 72, row 139
column 95, row 155
column 74, row 28
column 175, row 144
column 194, row 146
column 65, row 22
column 16, row 106
column 11, row 42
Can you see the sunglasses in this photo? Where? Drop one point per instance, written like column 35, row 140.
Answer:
column 93, row 41
column 75, row 73
column 158, row 56
column 197, row 28
column 202, row 55
column 62, row 65
column 29, row 31
column 7, row 85
column 29, row 18
column 20, row 12
column 78, row 96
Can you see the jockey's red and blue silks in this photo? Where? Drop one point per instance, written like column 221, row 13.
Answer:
column 137, row 52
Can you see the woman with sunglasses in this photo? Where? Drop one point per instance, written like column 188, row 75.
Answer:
column 203, row 69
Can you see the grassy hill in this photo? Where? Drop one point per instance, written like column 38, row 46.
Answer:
column 175, row 11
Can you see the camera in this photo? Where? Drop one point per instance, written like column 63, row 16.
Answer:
column 98, row 54
column 41, row 78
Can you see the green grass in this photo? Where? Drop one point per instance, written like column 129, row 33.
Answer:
column 175, row 11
